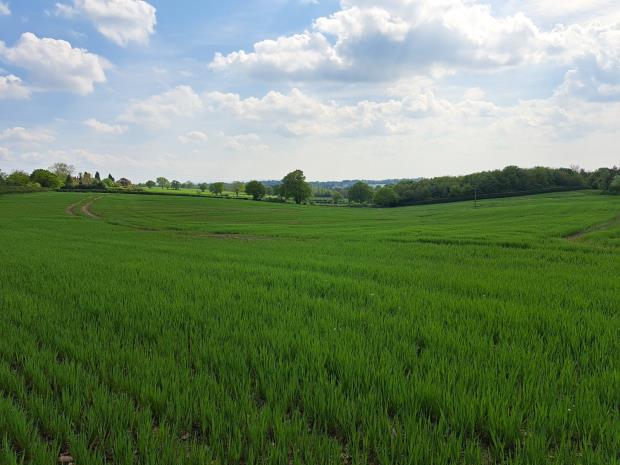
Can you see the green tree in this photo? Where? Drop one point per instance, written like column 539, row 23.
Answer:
column 163, row 183
column 97, row 176
column 45, row 179
column 294, row 185
column 360, row 192
column 3, row 177
column 255, row 189
column 68, row 181
column 18, row 178
column 111, row 178
column 614, row 186
column 203, row 186
column 336, row 197
column 216, row 188
column 386, row 197
column 109, row 183
column 176, row 185
column 62, row 170
column 237, row 187
column 275, row 190
column 150, row 184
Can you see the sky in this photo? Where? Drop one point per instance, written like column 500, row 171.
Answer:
column 253, row 89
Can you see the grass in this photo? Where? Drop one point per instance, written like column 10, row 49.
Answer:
column 194, row 331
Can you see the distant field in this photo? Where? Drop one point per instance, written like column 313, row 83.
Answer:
column 172, row 330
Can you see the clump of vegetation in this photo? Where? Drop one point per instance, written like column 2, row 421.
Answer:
column 360, row 192
column 386, row 197
column 294, row 186
column 256, row 189
column 614, row 186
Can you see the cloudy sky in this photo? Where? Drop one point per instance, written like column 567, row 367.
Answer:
column 216, row 90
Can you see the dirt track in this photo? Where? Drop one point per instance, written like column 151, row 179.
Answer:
column 86, row 209
column 598, row 227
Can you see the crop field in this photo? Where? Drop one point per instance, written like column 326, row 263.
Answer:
column 169, row 330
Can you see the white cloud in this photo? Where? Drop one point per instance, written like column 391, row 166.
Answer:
column 4, row 9
column 297, row 114
column 104, row 128
column 554, row 10
column 55, row 65
column 193, row 136
column 21, row 135
column 593, row 54
column 158, row 111
column 365, row 42
column 12, row 87
column 420, row 113
column 245, row 143
column 4, row 152
column 121, row 21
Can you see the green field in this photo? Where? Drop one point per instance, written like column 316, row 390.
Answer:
column 171, row 330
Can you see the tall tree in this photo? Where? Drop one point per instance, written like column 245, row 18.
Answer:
column 18, row 178
column 150, row 184
column 237, row 187
column 203, row 186
column 46, row 179
column 294, row 186
column 255, row 189
column 217, row 188
column 62, row 170
column 97, row 177
column 176, row 185
column 163, row 182
column 386, row 197
column 360, row 192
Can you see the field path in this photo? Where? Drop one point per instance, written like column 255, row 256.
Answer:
column 597, row 227
column 86, row 209
column 70, row 210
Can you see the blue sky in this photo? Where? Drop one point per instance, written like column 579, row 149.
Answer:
column 341, row 89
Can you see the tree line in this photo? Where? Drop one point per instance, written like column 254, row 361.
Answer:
column 294, row 187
